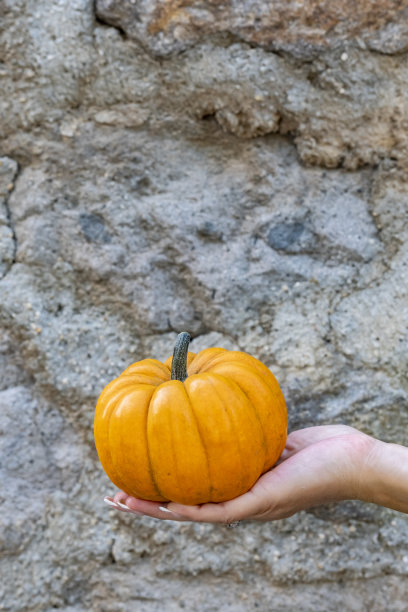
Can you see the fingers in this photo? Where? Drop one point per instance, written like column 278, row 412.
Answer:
column 247, row 506
column 140, row 507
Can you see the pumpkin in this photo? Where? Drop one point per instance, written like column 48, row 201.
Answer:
column 198, row 428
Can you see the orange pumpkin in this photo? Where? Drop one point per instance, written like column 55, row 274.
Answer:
column 198, row 428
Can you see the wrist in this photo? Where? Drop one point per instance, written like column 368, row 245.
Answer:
column 370, row 481
column 384, row 477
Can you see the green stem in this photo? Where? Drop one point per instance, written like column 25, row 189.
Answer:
column 179, row 363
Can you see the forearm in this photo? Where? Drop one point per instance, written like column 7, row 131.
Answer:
column 385, row 477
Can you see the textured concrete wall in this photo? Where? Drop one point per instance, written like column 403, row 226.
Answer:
column 236, row 169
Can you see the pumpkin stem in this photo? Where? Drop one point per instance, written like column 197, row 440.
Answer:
column 179, row 363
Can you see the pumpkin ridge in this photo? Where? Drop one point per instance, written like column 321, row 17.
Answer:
column 132, row 379
column 161, row 369
column 262, row 372
column 106, row 390
column 245, row 359
column 207, row 364
column 174, row 450
column 149, row 459
column 233, row 427
column 207, row 459
column 119, row 482
column 258, row 418
column 276, row 410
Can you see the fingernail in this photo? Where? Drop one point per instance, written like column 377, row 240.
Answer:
column 163, row 509
column 123, row 505
column 110, row 502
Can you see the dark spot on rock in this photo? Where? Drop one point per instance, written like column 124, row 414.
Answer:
column 209, row 230
column 208, row 116
column 283, row 235
column 94, row 228
column 143, row 185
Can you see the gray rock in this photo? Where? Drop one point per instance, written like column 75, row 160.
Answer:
column 301, row 28
column 8, row 173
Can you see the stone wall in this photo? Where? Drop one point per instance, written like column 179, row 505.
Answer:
column 235, row 169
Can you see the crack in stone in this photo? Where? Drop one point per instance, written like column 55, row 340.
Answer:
column 100, row 21
column 9, row 220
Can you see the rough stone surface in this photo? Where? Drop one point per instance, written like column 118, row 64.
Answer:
column 222, row 170
column 8, row 172
column 168, row 26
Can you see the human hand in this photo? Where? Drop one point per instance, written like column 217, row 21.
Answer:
column 318, row 465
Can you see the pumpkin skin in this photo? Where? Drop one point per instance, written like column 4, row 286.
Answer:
column 207, row 439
